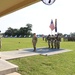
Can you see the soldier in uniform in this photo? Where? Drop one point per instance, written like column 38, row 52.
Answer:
column 34, row 41
column 52, row 41
column 45, row 38
column 57, row 41
column 49, row 40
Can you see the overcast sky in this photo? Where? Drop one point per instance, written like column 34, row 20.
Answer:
column 40, row 15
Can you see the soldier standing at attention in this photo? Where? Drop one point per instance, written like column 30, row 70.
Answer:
column 34, row 41
column 43, row 37
column 49, row 40
column 52, row 41
column 55, row 41
column 58, row 41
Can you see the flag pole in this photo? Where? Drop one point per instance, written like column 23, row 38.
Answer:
column 51, row 32
column 56, row 26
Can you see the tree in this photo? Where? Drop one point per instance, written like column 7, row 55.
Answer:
column 9, row 32
column 23, row 31
column 29, row 29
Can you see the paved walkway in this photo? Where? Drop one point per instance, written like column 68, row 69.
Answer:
column 7, row 68
column 29, row 52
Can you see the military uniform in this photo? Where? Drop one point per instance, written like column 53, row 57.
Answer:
column 45, row 38
column 52, row 41
column 34, row 41
column 57, row 41
column 49, row 40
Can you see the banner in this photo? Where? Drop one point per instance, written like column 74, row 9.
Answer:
column 55, row 25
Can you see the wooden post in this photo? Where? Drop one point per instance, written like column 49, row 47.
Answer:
column 0, row 43
column 0, row 40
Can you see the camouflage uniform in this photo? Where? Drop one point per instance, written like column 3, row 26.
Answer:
column 45, row 38
column 57, row 41
column 49, row 40
column 34, row 41
column 52, row 41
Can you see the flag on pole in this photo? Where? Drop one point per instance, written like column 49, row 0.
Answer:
column 55, row 25
column 52, row 25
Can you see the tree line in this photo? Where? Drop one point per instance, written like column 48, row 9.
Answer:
column 22, row 32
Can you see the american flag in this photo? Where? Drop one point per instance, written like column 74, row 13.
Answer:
column 52, row 25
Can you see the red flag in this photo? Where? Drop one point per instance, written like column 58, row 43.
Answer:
column 52, row 25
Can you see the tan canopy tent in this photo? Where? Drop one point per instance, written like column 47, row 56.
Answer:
column 9, row 6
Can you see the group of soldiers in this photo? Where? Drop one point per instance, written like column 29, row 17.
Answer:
column 53, row 41
column 72, row 38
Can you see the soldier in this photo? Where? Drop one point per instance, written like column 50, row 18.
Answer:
column 34, row 41
column 49, row 40
column 43, row 37
column 55, row 42
column 58, row 41
column 52, row 41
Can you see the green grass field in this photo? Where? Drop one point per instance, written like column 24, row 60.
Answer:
column 60, row 64
column 19, row 43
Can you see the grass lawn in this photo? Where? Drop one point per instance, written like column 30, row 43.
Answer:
column 60, row 64
column 9, row 44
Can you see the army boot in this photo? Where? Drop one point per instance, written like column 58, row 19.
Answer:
column 34, row 49
column 49, row 46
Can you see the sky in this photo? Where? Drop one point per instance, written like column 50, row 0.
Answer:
column 40, row 15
